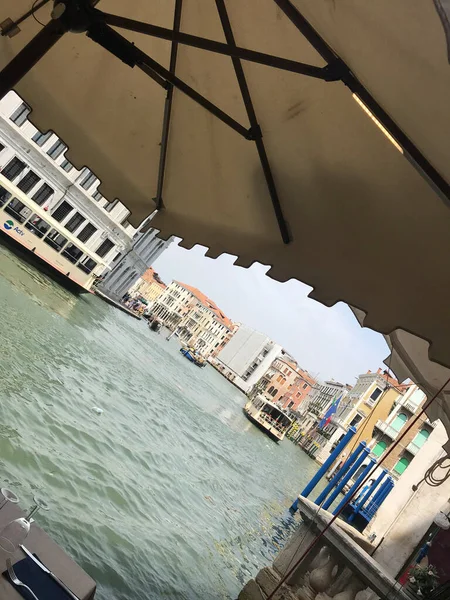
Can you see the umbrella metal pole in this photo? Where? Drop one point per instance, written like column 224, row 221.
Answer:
column 245, row 92
column 25, row 60
column 168, row 110
column 10, row 28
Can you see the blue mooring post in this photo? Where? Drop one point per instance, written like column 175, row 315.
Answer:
column 324, row 468
column 386, row 491
column 342, row 471
column 360, row 504
column 362, row 451
column 355, row 486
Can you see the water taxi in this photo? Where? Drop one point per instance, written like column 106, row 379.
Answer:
column 267, row 417
column 42, row 240
column 193, row 356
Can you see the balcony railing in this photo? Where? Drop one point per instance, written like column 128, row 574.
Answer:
column 338, row 566
column 413, row 448
column 386, row 429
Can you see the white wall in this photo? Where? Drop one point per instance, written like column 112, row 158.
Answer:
column 405, row 516
column 242, row 349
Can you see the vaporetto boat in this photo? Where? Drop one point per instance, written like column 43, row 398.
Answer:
column 268, row 417
column 31, row 229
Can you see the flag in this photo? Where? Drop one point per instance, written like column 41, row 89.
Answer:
column 330, row 412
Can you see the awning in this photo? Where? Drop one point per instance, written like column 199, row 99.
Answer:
column 366, row 212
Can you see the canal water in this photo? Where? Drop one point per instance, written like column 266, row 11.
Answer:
column 170, row 492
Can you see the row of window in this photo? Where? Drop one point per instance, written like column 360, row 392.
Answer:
column 86, row 178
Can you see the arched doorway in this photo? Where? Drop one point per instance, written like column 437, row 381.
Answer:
column 399, row 421
column 401, row 465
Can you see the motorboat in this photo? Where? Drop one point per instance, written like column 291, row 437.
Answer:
column 268, row 417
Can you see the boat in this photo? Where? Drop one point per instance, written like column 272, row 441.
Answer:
column 192, row 355
column 268, row 417
column 155, row 326
column 33, row 233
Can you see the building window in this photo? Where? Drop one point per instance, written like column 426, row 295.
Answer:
column 66, row 165
column 57, row 149
column 97, row 196
column 20, row 115
column 399, row 421
column 18, row 210
column 37, row 226
column 402, row 465
column 28, row 181
column 421, row 438
column 374, row 396
column 355, row 420
column 305, row 385
column 13, row 169
column 111, row 205
column 87, row 232
column 4, row 195
column 42, row 194
column 87, row 179
column 74, row 222
column 60, row 213
column 104, row 248
column 379, row 448
column 40, row 138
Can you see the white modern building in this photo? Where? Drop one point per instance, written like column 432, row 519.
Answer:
column 35, row 162
column 246, row 357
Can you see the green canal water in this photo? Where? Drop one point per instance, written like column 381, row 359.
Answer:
column 171, row 492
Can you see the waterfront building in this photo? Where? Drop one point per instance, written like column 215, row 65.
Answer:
column 149, row 286
column 129, row 267
column 246, row 357
column 285, row 382
column 197, row 320
column 36, row 163
column 371, row 400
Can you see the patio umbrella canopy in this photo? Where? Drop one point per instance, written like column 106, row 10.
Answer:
column 353, row 205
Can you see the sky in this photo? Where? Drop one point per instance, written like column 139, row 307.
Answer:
column 328, row 342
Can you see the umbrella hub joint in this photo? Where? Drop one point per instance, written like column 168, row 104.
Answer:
column 76, row 15
column 254, row 133
column 336, row 70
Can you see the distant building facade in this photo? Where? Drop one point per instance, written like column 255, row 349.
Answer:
column 285, row 382
column 149, row 286
column 197, row 319
column 246, row 357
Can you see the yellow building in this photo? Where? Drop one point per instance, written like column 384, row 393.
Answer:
column 150, row 286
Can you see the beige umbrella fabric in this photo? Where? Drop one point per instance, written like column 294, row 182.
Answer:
column 367, row 228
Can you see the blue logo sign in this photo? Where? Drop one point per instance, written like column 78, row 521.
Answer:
column 8, row 224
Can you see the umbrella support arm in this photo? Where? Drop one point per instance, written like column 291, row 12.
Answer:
column 167, row 110
column 25, row 60
column 11, row 28
column 213, row 46
column 260, row 146
column 112, row 41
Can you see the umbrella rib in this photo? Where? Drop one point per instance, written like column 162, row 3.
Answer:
column 115, row 43
column 245, row 92
column 168, row 109
column 411, row 151
column 217, row 47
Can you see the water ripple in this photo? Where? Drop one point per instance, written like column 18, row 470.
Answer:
column 169, row 493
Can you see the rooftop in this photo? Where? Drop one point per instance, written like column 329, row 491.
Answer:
column 201, row 297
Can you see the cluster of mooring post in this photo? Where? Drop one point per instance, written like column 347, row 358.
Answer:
column 358, row 510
